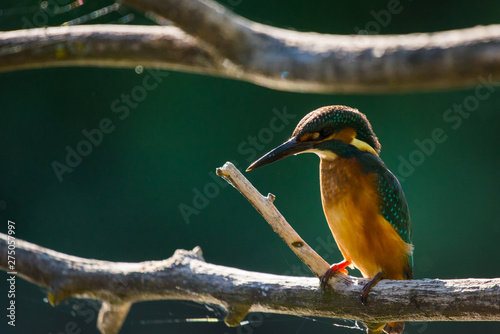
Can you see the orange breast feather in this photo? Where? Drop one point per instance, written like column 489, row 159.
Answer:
column 351, row 204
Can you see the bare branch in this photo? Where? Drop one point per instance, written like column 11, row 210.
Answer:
column 265, row 206
column 298, row 61
column 105, row 46
column 225, row 44
column 186, row 276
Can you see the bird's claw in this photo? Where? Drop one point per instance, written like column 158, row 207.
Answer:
column 334, row 268
column 367, row 288
column 364, row 295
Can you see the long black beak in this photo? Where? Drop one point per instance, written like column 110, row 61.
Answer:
column 286, row 149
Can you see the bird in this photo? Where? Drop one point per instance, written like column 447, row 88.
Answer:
column 363, row 201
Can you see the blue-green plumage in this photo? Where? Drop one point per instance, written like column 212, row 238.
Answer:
column 393, row 204
column 363, row 201
column 339, row 118
column 394, row 208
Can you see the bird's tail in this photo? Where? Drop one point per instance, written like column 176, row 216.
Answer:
column 389, row 328
column 394, row 327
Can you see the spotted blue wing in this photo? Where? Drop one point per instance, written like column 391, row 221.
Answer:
column 393, row 204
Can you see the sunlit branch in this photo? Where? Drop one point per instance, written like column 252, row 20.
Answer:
column 186, row 276
column 117, row 46
column 215, row 41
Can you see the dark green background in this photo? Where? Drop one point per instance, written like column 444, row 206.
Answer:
column 121, row 203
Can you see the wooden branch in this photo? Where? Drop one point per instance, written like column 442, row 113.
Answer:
column 312, row 62
column 105, row 46
column 186, row 276
column 265, row 206
column 225, row 44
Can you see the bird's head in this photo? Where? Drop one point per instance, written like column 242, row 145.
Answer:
column 329, row 132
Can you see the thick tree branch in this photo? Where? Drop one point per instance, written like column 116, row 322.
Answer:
column 105, row 46
column 225, row 44
column 313, row 62
column 186, row 276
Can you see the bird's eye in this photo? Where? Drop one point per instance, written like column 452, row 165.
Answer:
column 325, row 132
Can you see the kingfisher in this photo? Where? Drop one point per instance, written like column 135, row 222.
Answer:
column 363, row 202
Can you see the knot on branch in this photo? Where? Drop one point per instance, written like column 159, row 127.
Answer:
column 181, row 255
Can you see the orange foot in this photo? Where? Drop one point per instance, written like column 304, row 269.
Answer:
column 334, row 268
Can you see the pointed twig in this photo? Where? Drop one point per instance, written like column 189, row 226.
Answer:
column 264, row 205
